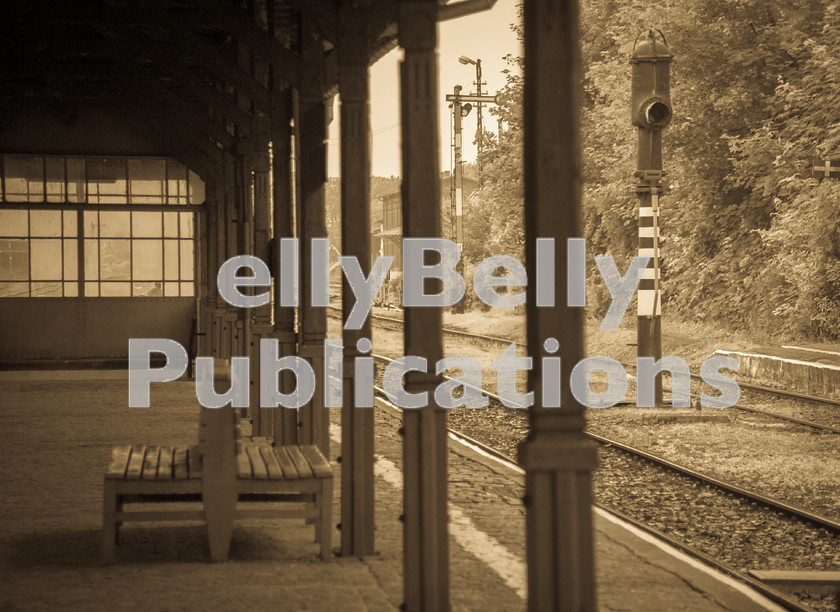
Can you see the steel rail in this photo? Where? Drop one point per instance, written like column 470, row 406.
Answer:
column 769, row 502
column 773, row 594
column 769, row 413
column 774, row 415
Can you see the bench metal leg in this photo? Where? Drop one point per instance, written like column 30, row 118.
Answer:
column 109, row 520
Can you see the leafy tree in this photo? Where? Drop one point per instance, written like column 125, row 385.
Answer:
column 751, row 241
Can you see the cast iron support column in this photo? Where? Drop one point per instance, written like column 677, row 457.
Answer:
column 230, row 222
column 218, row 231
column 312, row 173
column 245, row 319
column 244, row 245
column 206, row 232
column 262, row 315
column 285, row 421
column 425, row 535
column 557, row 456
column 357, row 440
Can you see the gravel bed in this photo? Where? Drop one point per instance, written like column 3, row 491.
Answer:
column 785, row 461
column 816, row 412
column 738, row 532
column 761, row 453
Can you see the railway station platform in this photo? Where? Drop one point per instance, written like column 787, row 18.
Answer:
column 58, row 431
column 809, row 369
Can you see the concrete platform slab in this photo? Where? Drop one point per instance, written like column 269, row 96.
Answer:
column 58, row 435
column 791, row 369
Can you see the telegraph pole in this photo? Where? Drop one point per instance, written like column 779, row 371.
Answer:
column 461, row 107
column 458, row 170
column 479, row 125
column 458, row 112
column 651, row 113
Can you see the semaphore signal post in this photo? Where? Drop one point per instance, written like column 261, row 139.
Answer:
column 650, row 113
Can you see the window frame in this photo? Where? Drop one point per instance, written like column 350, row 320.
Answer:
column 184, row 238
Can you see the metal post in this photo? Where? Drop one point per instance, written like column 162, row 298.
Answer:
column 650, row 112
column 425, row 537
column 479, row 122
column 478, row 85
column 649, row 308
column 357, row 423
column 459, row 183
column 558, row 458
column 459, row 173
column 479, row 126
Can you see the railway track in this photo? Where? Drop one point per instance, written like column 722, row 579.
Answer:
column 673, row 490
column 768, row 502
column 395, row 324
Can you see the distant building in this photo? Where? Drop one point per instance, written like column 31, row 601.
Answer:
column 386, row 218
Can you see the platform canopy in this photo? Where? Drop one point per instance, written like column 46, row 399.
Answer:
column 195, row 75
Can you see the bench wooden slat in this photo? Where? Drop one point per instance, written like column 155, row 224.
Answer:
column 135, row 463
column 165, row 466
column 289, row 469
column 194, row 461
column 317, row 462
column 243, row 464
column 300, row 461
column 180, row 470
column 150, row 463
column 119, row 462
column 275, row 472
column 257, row 465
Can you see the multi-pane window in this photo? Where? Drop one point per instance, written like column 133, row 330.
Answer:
column 392, row 213
column 138, row 253
column 39, row 253
column 111, row 242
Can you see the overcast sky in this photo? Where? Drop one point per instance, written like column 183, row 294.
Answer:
column 486, row 36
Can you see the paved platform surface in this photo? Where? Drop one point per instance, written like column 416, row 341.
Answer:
column 58, row 431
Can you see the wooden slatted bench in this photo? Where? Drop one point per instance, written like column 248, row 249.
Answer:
column 147, row 474
column 226, row 471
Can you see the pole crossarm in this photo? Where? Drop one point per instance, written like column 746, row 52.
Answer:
column 472, row 98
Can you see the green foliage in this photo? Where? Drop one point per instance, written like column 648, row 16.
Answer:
column 750, row 241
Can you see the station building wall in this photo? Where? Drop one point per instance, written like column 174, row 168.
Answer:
column 50, row 329
column 81, row 328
